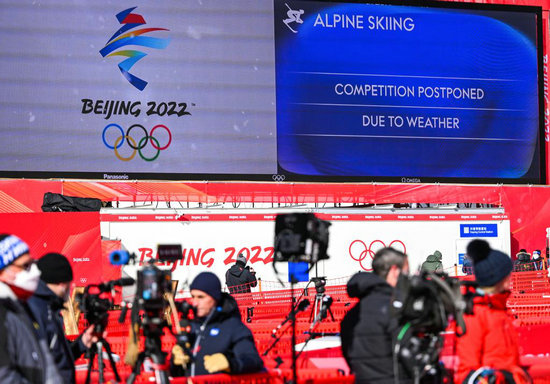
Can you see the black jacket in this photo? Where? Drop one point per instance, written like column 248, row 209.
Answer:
column 239, row 279
column 224, row 332
column 368, row 331
column 24, row 357
column 46, row 306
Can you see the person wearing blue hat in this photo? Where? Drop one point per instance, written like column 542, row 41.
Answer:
column 222, row 342
column 24, row 355
column 489, row 351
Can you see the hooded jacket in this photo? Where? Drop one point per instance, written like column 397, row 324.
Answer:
column 46, row 306
column 490, row 340
column 24, row 357
column 523, row 262
column 369, row 329
column 224, row 332
column 433, row 263
column 239, row 279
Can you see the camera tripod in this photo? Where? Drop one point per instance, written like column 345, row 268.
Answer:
column 320, row 298
column 316, row 308
column 152, row 331
column 97, row 350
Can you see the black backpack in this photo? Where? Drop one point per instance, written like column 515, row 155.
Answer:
column 55, row 202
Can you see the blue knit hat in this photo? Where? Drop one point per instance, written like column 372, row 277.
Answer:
column 490, row 265
column 209, row 284
column 11, row 248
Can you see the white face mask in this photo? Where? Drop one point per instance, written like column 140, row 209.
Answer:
column 27, row 280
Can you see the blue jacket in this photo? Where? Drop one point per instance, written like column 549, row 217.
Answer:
column 224, row 332
column 46, row 306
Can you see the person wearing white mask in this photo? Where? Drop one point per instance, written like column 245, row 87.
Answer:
column 537, row 260
column 24, row 356
column 46, row 304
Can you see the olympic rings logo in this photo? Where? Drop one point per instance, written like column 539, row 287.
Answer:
column 140, row 144
column 278, row 177
column 359, row 251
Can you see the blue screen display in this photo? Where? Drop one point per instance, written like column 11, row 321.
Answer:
column 407, row 93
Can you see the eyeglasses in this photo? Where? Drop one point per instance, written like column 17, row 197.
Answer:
column 27, row 266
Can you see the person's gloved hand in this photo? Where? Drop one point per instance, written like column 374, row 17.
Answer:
column 88, row 337
column 216, row 363
column 179, row 357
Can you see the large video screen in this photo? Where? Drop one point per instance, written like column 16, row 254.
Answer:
column 271, row 90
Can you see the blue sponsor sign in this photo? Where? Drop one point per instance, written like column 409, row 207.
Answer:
column 478, row 230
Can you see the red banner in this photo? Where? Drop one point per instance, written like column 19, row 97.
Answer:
column 73, row 234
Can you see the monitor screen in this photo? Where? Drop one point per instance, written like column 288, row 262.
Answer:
column 271, row 90
column 408, row 93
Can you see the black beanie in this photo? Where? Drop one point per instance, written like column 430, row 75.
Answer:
column 209, row 284
column 490, row 265
column 55, row 268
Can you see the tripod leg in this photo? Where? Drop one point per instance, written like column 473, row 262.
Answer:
column 161, row 377
column 90, row 363
column 101, row 377
column 159, row 360
column 111, row 360
column 137, row 368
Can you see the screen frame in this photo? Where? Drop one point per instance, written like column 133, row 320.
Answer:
column 285, row 176
column 463, row 180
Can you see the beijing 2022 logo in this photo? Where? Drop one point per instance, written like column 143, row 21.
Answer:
column 129, row 35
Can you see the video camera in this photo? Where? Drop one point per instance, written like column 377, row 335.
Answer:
column 431, row 301
column 320, row 283
column 301, row 237
column 153, row 296
column 152, row 284
column 95, row 307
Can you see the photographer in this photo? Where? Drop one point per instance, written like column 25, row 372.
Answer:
column 24, row 357
column 46, row 305
column 488, row 352
column 240, row 278
column 368, row 330
column 222, row 343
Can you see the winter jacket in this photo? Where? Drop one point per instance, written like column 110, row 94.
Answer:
column 223, row 332
column 369, row 330
column 24, row 357
column 46, row 306
column 433, row 263
column 490, row 340
column 523, row 262
column 239, row 279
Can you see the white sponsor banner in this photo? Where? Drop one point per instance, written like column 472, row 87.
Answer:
column 211, row 242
